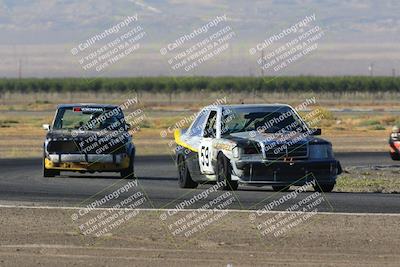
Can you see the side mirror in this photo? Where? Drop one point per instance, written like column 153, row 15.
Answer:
column 46, row 127
column 316, row 131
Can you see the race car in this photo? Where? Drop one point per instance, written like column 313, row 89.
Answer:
column 88, row 138
column 394, row 143
column 254, row 145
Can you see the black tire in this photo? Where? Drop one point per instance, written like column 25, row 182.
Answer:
column 129, row 173
column 280, row 188
column 324, row 187
column 395, row 156
column 184, row 177
column 49, row 173
column 224, row 173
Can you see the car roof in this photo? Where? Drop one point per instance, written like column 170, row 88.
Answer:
column 275, row 105
column 93, row 105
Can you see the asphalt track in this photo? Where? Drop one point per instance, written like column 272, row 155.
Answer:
column 21, row 182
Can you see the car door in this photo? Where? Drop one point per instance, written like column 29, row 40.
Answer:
column 206, row 144
column 193, row 137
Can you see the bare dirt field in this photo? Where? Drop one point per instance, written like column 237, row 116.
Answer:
column 48, row 237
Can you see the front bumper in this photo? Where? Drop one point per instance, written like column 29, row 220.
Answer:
column 286, row 172
column 87, row 162
column 394, row 147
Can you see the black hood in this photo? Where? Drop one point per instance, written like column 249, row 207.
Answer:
column 251, row 138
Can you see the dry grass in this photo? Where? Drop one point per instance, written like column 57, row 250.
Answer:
column 369, row 180
column 195, row 100
column 21, row 134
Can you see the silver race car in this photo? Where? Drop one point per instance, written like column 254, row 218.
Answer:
column 254, row 145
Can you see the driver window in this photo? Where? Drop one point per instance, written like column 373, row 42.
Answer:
column 197, row 125
column 211, row 126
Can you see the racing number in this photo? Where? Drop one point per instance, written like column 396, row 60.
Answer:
column 205, row 156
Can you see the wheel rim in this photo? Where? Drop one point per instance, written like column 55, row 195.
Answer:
column 182, row 169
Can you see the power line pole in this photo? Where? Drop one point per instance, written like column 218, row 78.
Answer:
column 19, row 69
column 371, row 69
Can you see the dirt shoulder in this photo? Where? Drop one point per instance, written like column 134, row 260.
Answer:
column 377, row 179
column 48, row 237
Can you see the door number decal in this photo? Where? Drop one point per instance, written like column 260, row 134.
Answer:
column 205, row 156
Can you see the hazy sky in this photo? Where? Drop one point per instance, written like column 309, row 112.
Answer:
column 354, row 37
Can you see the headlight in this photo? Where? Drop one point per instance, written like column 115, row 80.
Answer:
column 322, row 151
column 396, row 144
column 252, row 149
column 236, row 152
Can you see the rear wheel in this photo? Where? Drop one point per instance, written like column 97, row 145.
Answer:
column 280, row 188
column 324, row 187
column 185, row 180
column 224, row 173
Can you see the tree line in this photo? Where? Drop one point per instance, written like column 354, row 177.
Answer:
column 347, row 84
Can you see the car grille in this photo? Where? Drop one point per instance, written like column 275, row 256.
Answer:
column 64, row 146
column 71, row 146
column 281, row 151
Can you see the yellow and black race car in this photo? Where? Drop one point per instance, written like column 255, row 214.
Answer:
column 88, row 138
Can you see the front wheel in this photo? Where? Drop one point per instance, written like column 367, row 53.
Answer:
column 324, row 187
column 128, row 172
column 395, row 156
column 49, row 172
column 224, row 173
column 185, row 179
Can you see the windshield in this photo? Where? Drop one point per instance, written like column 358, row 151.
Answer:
column 87, row 118
column 261, row 119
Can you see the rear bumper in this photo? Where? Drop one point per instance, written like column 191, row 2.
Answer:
column 287, row 173
column 87, row 162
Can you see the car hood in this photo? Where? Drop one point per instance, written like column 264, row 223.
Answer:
column 254, row 136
